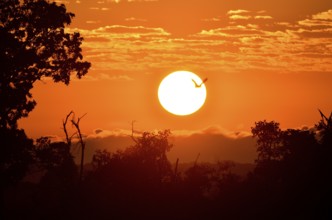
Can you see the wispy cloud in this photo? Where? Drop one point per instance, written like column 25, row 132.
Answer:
column 211, row 19
column 326, row 15
column 102, row 133
column 252, row 42
column 211, row 130
column 62, row 1
column 238, row 11
column 104, row 76
column 321, row 21
column 93, row 22
column 212, row 143
column 239, row 17
column 263, row 17
column 97, row 8
column 135, row 19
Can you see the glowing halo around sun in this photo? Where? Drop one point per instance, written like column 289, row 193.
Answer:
column 179, row 95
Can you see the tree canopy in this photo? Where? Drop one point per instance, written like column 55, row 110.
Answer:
column 34, row 44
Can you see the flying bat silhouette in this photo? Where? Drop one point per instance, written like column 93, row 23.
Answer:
column 199, row 85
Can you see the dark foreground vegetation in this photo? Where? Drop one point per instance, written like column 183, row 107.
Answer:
column 291, row 180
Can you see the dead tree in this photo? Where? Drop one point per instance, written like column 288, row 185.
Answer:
column 195, row 164
column 64, row 126
column 80, row 137
column 133, row 132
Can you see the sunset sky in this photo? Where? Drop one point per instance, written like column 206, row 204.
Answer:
column 264, row 60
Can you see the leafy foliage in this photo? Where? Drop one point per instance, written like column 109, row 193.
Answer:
column 51, row 155
column 268, row 140
column 147, row 158
column 324, row 127
column 33, row 45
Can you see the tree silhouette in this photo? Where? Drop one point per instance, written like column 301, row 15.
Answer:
column 50, row 155
column 132, row 180
column 324, row 126
column 292, row 177
column 33, row 45
column 268, row 140
column 146, row 158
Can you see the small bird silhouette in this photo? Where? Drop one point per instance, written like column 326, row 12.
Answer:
column 199, row 85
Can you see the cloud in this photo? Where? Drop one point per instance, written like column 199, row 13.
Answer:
column 93, row 22
column 213, row 147
column 239, row 17
column 261, row 12
column 102, row 133
column 279, row 46
column 212, row 143
column 135, row 30
column 326, row 15
column 238, row 11
column 211, row 130
column 249, row 41
column 121, row 77
column 317, row 26
column 103, row 77
column 233, row 31
column 246, row 15
column 135, row 19
column 263, row 17
column 212, row 19
column 97, row 8
column 321, row 21
column 61, row 1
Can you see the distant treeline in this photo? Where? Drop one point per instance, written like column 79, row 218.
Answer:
column 291, row 179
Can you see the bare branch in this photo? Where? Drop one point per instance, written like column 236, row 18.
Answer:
column 79, row 134
column 195, row 164
column 322, row 115
column 133, row 131
column 64, row 124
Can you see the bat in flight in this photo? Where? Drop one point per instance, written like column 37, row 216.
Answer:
column 199, row 85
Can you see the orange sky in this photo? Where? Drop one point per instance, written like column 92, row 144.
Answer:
column 264, row 60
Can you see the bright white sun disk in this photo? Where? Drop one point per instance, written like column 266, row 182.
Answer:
column 178, row 94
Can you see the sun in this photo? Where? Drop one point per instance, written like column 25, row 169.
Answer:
column 182, row 93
